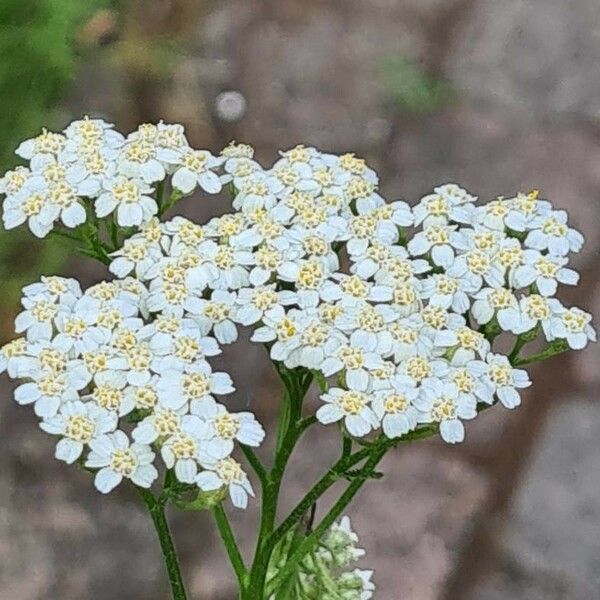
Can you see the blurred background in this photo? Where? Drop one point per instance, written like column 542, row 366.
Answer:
column 496, row 96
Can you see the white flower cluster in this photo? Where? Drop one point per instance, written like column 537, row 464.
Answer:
column 401, row 338
column 94, row 360
column 403, row 330
column 90, row 167
column 325, row 573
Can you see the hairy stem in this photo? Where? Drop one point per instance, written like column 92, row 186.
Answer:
column 156, row 508
column 291, row 427
column 235, row 557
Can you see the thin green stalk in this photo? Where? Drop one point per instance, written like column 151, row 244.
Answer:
column 313, row 539
column 235, row 557
column 156, row 508
column 319, row 488
column 522, row 340
column 285, row 416
column 346, row 445
column 175, row 196
column 556, row 347
column 339, row 470
column 296, row 384
column 255, row 463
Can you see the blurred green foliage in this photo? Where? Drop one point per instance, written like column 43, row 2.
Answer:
column 412, row 89
column 38, row 59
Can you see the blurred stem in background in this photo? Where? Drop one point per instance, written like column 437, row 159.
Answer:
column 411, row 89
column 40, row 54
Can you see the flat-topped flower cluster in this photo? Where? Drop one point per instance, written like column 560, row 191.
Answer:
column 93, row 359
column 395, row 309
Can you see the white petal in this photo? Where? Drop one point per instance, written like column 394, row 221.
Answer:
column 106, row 480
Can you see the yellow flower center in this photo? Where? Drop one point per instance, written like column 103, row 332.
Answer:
column 124, row 462
column 139, row 151
column 546, row 268
column 354, row 286
column 195, row 385
column 500, row 374
column 186, row 348
column 264, row 299
column 108, row 396
column 468, row 338
column 349, row 162
column 446, row 285
column 537, row 307
column 195, row 160
column 418, row 368
column 435, row 316
column 230, row 471
column 575, row 320
column 139, row 357
column 396, row 403
column 463, row 381
column 53, row 359
column 95, row 361
column 477, row 262
column 363, row 226
column 51, row 385
column 315, row 246
column 370, row 320
column 126, row 192
column 184, row 446
column 501, row 298
column 227, row 426
column 43, row 311
column 443, row 409
column 352, row 402
column 405, row 294
column 310, row 275
column 145, row 397
column 352, row 358
column 314, row 335
column 33, row 205
column 553, row 227
column 404, row 334
column 166, row 422
column 75, row 327
column 79, row 428
column 217, row 311
column 436, row 234
column 285, row 329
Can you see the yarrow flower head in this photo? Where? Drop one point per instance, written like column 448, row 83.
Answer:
column 392, row 311
column 400, row 336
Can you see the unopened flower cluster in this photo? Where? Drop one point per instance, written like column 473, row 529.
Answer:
column 328, row 573
column 400, row 339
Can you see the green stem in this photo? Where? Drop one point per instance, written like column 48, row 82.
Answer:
column 338, row 471
column 156, row 508
column 556, row 347
column 291, row 427
column 319, row 488
column 522, row 340
column 313, row 539
column 346, row 445
column 175, row 196
column 237, row 562
column 255, row 463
